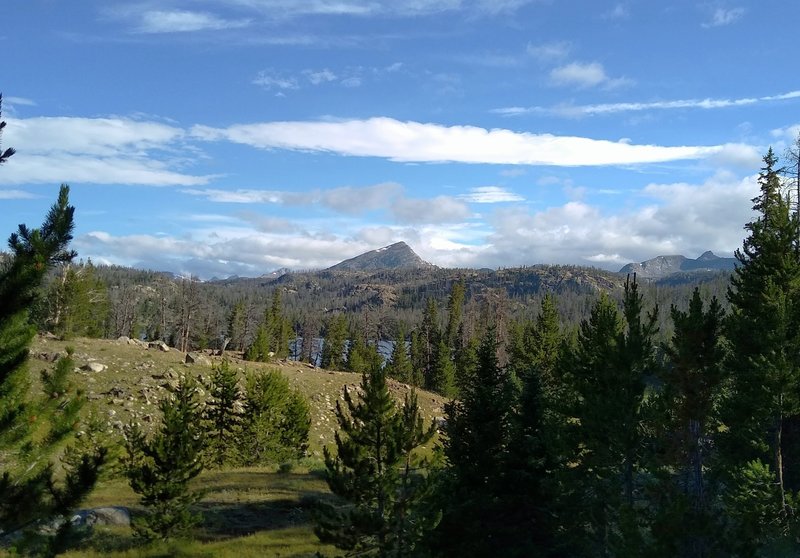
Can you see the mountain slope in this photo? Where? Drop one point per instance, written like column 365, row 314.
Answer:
column 395, row 256
column 662, row 266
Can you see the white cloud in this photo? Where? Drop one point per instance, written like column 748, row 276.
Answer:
column 15, row 195
column 420, row 142
column 722, row 17
column 491, row 194
column 352, row 82
column 94, row 150
column 352, row 200
column 9, row 101
column 681, row 218
column 615, row 108
column 269, row 80
column 441, row 209
column 181, row 21
column 321, row 76
column 367, row 8
column 619, row 11
column 549, row 52
column 584, row 75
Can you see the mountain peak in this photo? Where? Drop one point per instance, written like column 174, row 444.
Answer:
column 661, row 266
column 394, row 256
column 708, row 255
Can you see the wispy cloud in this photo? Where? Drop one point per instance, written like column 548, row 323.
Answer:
column 723, row 16
column 614, row 108
column 95, row 150
column 490, row 194
column 15, row 195
column 619, row 11
column 420, row 142
column 387, row 197
column 368, row 8
column 549, row 52
column 584, row 75
column 21, row 101
column 182, row 21
column 269, row 79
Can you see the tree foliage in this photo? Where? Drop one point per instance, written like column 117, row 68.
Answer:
column 375, row 474
column 159, row 467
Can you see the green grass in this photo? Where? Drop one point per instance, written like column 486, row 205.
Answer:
column 246, row 512
column 256, row 511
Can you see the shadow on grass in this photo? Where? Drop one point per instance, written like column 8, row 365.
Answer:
column 226, row 520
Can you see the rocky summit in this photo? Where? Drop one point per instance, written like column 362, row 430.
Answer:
column 395, row 256
column 661, row 266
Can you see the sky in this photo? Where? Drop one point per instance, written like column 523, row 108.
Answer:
column 236, row 137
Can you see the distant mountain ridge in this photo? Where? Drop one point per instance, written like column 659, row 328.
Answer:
column 661, row 266
column 395, row 256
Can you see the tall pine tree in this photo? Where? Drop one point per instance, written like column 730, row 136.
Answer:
column 764, row 330
column 375, row 473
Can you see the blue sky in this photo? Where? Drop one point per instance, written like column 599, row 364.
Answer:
column 221, row 137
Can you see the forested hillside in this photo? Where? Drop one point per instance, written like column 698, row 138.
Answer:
column 579, row 413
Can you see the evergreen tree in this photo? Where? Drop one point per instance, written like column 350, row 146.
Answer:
column 362, row 357
column 224, row 412
column 76, row 303
column 276, row 422
column 613, row 359
column 479, row 516
column 334, row 344
column 685, row 524
column 441, row 378
column 399, row 365
column 160, row 467
column 764, row 328
column 259, row 351
column 237, row 325
column 430, row 335
column 29, row 488
column 417, row 355
column 376, row 474
column 455, row 309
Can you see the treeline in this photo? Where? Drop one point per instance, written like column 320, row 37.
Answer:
column 602, row 441
column 378, row 308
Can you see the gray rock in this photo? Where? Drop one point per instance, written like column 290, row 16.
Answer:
column 115, row 515
column 197, row 358
column 94, row 367
column 160, row 345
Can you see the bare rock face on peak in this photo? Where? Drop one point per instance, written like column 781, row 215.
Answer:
column 661, row 266
column 395, row 256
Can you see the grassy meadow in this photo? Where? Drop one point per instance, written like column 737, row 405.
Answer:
column 252, row 511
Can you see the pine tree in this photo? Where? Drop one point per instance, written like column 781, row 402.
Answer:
column 399, row 365
column 455, row 309
column 441, row 378
column 224, row 412
column 479, row 515
column 764, row 330
column 613, row 359
column 160, row 467
column 430, row 335
column 374, row 473
column 334, row 343
column 691, row 387
column 417, row 355
column 276, row 423
column 259, row 351
column 28, row 487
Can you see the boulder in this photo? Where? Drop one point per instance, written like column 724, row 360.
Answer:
column 94, row 367
column 197, row 358
column 160, row 345
column 114, row 515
